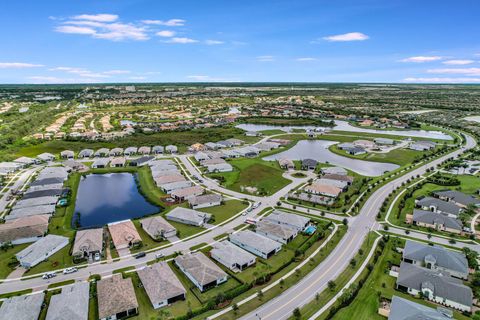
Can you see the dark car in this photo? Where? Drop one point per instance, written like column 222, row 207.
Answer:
column 140, row 255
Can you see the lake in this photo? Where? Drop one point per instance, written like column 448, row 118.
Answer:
column 473, row 118
column 318, row 150
column 105, row 198
column 345, row 126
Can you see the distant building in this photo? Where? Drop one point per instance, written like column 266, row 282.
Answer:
column 309, row 164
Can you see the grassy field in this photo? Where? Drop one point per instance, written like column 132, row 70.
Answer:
column 265, row 176
column 397, row 156
column 227, row 210
column 379, row 284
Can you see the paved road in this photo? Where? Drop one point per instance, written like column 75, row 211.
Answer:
column 316, row 281
column 36, row 284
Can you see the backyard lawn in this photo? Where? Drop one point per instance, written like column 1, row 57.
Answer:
column 263, row 176
column 6, row 257
column 226, row 210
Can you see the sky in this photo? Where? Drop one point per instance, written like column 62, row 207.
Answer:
column 108, row 41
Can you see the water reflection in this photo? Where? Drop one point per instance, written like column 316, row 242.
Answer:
column 318, row 150
column 105, row 198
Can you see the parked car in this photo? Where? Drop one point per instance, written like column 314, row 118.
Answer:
column 49, row 275
column 70, row 270
column 97, row 256
column 159, row 255
column 140, row 255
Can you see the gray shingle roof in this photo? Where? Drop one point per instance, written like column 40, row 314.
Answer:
column 458, row 197
column 441, row 205
column 71, row 304
column 231, row 254
column 447, row 259
column 403, row 309
column 201, row 268
column 254, row 240
column 288, row 218
column 115, row 295
column 444, row 286
column 160, row 282
column 41, row 248
column 25, row 307
column 436, row 218
column 276, row 230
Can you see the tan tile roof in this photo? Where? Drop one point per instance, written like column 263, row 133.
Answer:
column 155, row 226
column 88, row 240
column 160, row 282
column 115, row 295
column 123, row 233
column 25, row 227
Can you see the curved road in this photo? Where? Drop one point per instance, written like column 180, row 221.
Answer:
column 316, row 281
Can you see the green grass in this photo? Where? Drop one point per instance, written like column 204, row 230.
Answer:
column 147, row 241
column 7, row 256
column 225, row 211
column 198, row 246
column 365, row 306
column 265, row 176
column 15, row 293
column 61, row 283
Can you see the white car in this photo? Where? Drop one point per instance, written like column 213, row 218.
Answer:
column 159, row 256
column 49, row 275
column 70, row 270
column 97, row 256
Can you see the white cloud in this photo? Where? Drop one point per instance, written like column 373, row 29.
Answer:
column 166, row 33
column 114, row 72
column 103, row 26
column 265, row 58
column 47, row 79
column 306, row 59
column 84, row 73
column 204, row 78
column 168, row 23
column 421, row 59
column 18, row 65
column 75, row 30
column 102, row 17
column 463, row 71
column 351, row 36
column 443, row 80
column 137, row 78
column 458, row 62
column 213, row 42
column 181, row 40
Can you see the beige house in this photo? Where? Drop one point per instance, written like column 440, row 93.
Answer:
column 116, row 298
column 124, row 234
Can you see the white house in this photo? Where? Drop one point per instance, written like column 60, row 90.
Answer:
column 41, row 250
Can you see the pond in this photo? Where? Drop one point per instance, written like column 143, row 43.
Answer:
column 473, row 118
column 318, row 150
column 345, row 126
column 105, row 198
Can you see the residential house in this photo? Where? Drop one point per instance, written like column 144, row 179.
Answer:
column 365, row 144
column 87, row 243
column 46, row 157
column 188, row 216
column 161, row 284
column 24, row 230
column 142, row 161
column 205, row 201
column 288, row 219
column 30, row 211
column 323, row 189
column 221, row 167
column 384, row 141
column 41, row 250
column 439, row 206
column 404, row 309
column 158, row 149
column 200, row 156
column 118, row 162
column 102, row 152
column 130, row 151
column 202, row 271
column 436, row 258
column 71, row 304
column 332, row 182
column 422, row 145
column 25, row 307
column 339, row 177
column 186, row 193
column 437, row 221
column 116, row 298
column 100, row 163
column 354, row 151
column 158, row 228
column 196, row 147
column 286, row 164
column 436, row 286
column 231, row 256
column 275, row 231
column 309, row 164
column 85, row 153
column 174, row 186
column 171, row 149
column 255, row 243
column 124, row 234
column 144, row 150
column 459, row 198
column 115, row 152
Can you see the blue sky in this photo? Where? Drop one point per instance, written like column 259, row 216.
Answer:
column 79, row 41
